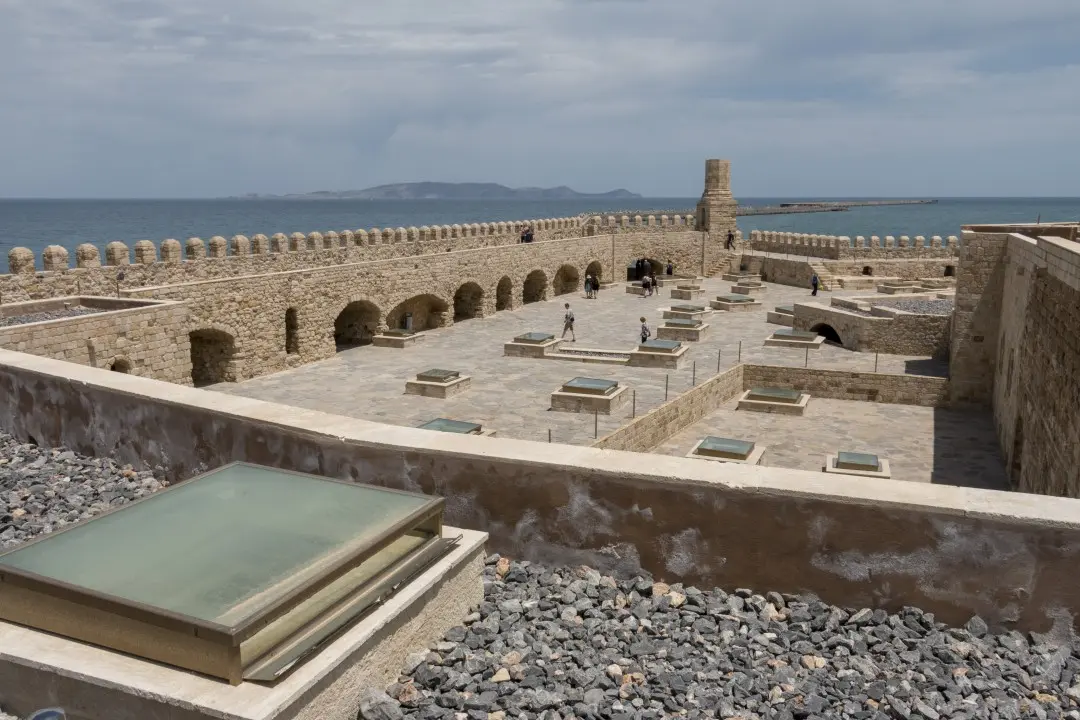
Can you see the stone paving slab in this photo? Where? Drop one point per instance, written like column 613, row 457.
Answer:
column 512, row 395
column 922, row 444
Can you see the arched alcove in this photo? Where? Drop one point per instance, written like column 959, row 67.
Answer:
column 504, row 294
column 535, row 288
column 468, row 302
column 828, row 332
column 426, row 312
column 567, row 280
column 212, row 357
column 595, row 269
column 292, row 332
column 356, row 324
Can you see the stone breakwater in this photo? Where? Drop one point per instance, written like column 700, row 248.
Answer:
column 570, row 643
column 44, row 489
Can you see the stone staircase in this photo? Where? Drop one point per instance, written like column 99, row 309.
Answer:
column 826, row 280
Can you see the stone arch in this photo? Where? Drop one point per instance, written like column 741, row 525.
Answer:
column 356, row 324
column 567, row 280
column 867, row 270
column 426, row 311
column 292, row 332
column 213, row 356
column 950, row 271
column 504, row 294
column 120, row 364
column 828, row 332
column 535, row 287
column 596, row 269
column 468, row 302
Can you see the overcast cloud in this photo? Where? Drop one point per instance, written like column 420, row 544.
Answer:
column 201, row 98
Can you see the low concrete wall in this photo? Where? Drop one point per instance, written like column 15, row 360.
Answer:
column 920, row 390
column 953, row 551
column 660, row 423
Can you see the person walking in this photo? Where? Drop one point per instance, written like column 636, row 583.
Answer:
column 670, row 268
column 645, row 331
column 588, row 287
column 568, row 323
column 730, row 239
column 814, row 282
column 652, row 282
column 646, row 286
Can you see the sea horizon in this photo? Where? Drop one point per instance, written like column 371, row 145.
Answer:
column 69, row 222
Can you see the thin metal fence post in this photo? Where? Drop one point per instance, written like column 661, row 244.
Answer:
column 740, row 351
column 666, row 379
column 718, row 361
column 806, row 360
column 596, row 424
column 875, row 361
column 693, row 377
column 549, row 434
column 633, row 408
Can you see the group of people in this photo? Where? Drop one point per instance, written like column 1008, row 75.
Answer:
column 648, row 284
column 526, row 235
column 592, row 286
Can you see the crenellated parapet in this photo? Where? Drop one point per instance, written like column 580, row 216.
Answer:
column 842, row 247
column 146, row 263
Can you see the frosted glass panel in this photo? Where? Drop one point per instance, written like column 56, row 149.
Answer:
column 222, row 547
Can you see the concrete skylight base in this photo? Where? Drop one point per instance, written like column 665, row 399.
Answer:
column 39, row 670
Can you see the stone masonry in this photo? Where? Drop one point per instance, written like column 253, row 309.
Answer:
column 150, row 341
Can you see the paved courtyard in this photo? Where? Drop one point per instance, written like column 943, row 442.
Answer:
column 935, row 445
column 512, row 395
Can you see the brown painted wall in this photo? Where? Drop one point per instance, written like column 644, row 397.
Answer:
column 952, row 551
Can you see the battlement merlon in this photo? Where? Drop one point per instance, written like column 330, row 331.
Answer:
column 716, row 210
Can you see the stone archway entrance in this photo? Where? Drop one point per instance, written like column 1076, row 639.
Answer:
column 212, row 357
column 828, row 332
column 595, row 269
column 425, row 312
column 468, row 302
column 567, row 280
column 535, row 288
column 356, row 324
column 504, row 294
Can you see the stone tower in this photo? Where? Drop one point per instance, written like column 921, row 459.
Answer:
column 716, row 209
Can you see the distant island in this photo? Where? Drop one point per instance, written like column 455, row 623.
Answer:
column 449, row 191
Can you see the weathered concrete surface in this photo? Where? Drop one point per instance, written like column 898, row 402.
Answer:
column 952, row 551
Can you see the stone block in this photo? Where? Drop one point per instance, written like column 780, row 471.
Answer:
column 438, row 384
column 682, row 333
column 397, row 339
column 575, row 396
column 769, row 401
column 531, row 345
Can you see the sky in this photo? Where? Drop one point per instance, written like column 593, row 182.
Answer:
column 208, row 98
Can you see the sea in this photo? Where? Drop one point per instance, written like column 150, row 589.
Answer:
column 37, row 223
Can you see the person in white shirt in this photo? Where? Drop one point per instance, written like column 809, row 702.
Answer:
column 568, row 323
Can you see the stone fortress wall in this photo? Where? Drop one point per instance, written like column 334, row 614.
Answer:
column 842, row 247
column 264, row 304
column 1015, row 347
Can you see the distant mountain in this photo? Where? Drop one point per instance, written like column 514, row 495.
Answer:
column 452, row 191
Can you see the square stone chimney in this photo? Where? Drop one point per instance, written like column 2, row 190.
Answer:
column 716, row 209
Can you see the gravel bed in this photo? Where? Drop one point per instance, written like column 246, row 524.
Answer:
column 44, row 489
column 920, row 306
column 570, row 643
column 48, row 315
